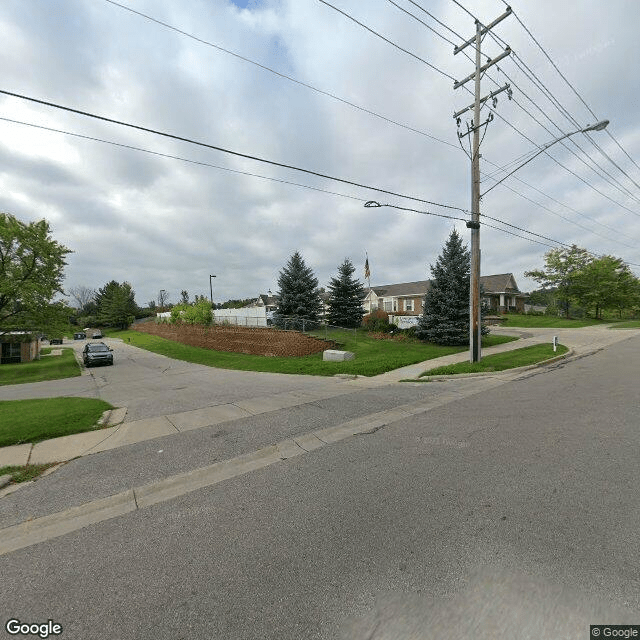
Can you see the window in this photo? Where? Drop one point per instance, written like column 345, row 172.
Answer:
column 408, row 305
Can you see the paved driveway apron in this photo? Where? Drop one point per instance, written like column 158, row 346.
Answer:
column 152, row 385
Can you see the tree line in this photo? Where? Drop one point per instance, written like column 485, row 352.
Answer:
column 574, row 279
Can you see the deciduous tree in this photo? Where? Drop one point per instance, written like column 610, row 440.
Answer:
column 31, row 273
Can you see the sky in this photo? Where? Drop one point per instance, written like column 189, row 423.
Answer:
column 163, row 222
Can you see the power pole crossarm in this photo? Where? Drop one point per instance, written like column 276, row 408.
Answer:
column 483, row 30
column 481, row 70
column 475, row 321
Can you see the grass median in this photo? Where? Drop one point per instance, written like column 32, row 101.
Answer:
column 373, row 356
column 23, row 421
column 47, row 368
column 501, row 361
column 550, row 322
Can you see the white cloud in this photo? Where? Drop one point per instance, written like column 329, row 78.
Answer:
column 162, row 223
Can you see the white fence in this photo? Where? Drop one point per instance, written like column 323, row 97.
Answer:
column 251, row 317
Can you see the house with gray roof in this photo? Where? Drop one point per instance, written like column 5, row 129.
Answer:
column 500, row 294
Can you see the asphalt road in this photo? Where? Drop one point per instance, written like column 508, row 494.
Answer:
column 511, row 513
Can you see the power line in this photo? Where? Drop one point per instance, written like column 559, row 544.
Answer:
column 284, row 76
column 393, row 44
column 223, row 150
column 497, row 38
column 562, row 110
column 173, row 157
column 555, row 66
column 327, row 94
column 422, row 22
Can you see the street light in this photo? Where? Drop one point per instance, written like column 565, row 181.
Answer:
column 475, row 352
column 598, row 126
column 162, row 294
column 211, row 288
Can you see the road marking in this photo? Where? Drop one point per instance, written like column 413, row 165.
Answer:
column 58, row 524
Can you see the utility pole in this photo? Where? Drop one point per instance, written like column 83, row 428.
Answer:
column 475, row 321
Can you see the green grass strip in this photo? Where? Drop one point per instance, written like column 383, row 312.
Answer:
column 501, row 361
column 551, row 322
column 47, row 368
column 372, row 356
column 25, row 473
column 35, row 420
column 629, row 324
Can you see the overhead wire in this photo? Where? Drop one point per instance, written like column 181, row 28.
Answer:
column 281, row 75
column 330, row 95
column 569, row 84
column 223, row 149
column 180, row 158
column 522, row 134
column 393, row 44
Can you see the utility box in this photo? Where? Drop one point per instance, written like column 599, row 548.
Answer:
column 332, row 355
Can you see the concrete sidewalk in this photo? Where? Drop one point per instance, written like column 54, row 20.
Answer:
column 580, row 341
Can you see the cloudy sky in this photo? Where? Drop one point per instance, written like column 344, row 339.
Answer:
column 164, row 222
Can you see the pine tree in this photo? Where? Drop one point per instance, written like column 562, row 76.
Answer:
column 298, row 294
column 345, row 298
column 445, row 315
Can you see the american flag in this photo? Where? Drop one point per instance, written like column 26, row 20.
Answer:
column 367, row 273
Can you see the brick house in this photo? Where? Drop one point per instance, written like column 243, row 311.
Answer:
column 18, row 346
column 500, row 293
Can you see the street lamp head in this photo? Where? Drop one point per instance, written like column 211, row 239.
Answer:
column 598, row 126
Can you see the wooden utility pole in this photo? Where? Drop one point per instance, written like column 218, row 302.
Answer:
column 475, row 321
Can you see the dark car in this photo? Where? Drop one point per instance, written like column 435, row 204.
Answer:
column 97, row 353
column 55, row 341
column 97, row 335
column 79, row 336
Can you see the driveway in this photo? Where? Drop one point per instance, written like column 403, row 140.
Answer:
column 152, row 385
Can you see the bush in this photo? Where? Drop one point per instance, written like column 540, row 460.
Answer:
column 377, row 321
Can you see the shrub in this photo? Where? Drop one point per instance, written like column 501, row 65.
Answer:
column 377, row 321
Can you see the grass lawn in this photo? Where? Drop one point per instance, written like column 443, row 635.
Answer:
column 35, row 420
column 553, row 322
column 372, row 356
column 500, row 361
column 47, row 368
column 28, row 472
column 629, row 324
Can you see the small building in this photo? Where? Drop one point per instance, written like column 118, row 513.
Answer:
column 18, row 346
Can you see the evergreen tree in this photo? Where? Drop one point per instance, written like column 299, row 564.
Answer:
column 445, row 315
column 345, row 298
column 116, row 304
column 298, row 293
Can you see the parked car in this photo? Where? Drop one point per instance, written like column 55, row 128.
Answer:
column 55, row 341
column 96, row 353
column 97, row 335
column 81, row 335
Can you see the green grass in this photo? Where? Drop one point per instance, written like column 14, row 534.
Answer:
column 25, row 473
column 35, row 420
column 372, row 356
column 629, row 324
column 552, row 322
column 501, row 361
column 47, row 368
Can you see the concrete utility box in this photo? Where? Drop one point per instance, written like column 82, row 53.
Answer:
column 332, row 355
